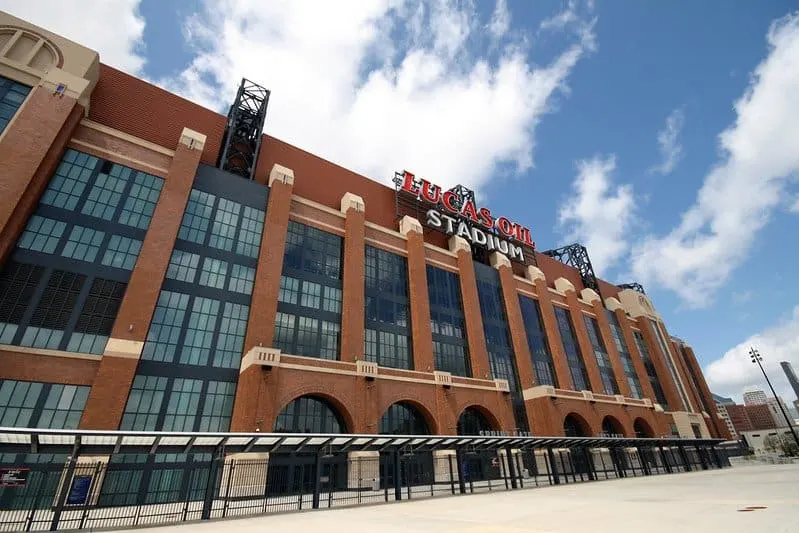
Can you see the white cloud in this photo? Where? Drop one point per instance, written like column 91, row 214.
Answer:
column 742, row 297
column 500, row 19
column 114, row 29
column 795, row 207
column 734, row 370
column 669, row 143
column 380, row 86
column 759, row 156
column 598, row 214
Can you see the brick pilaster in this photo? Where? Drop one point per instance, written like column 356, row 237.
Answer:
column 610, row 346
column 109, row 393
column 635, row 355
column 31, row 148
column 521, row 350
column 478, row 352
column 583, row 340
column 666, row 383
column 263, row 307
column 352, row 318
column 421, row 329
column 682, row 371
column 704, row 390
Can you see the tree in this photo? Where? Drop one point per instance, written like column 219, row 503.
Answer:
column 788, row 445
column 771, row 443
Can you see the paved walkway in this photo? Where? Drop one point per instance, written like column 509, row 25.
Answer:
column 680, row 503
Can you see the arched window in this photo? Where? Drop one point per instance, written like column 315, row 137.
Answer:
column 309, row 414
column 574, row 426
column 472, row 422
column 403, row 419
column 642, row 429
column 611, row 427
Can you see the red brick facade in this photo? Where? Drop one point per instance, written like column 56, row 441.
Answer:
column 140, row 112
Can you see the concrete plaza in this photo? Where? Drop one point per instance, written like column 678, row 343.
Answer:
column 694, row 502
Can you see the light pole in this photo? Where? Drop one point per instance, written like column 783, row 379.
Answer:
column 757, row 358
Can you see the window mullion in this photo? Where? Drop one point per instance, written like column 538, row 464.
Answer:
column 80, row 301
column 32, row 305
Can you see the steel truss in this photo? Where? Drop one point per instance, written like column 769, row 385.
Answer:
column 637, row 287
column 576, row 255
column 245, row 124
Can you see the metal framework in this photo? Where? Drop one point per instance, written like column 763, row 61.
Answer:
column 104, row 443
column 637, row 287
column 576, row 255
column 245, row 125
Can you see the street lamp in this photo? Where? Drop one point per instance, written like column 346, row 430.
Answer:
column 757, row 358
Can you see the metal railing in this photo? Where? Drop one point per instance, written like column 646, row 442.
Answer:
column 58, row 480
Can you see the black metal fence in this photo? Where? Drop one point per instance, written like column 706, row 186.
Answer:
column 90, row 490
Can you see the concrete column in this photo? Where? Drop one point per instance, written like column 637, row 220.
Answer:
column 263, row 307
column 610, row 345
column 244, row 475
column 31, row 147
column 109, row 393
column 441, row 466
column 421, row 329
column 551, row 326
column 666, row 383
column 352, row 326
column 478, row 352
column 363, row 470
column 629, row 339
column 586, row 348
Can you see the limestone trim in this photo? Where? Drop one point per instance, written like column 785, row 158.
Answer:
column 612, row 304
column 102, row 128
column 563, row 285
column 317, row 206
column 352, row 201
column 499, row 260
column 534, row 273
column 441, row 250
column 459, row 243
column 408, row 224
column 385, row 246
column 193, row 140
column 262, row 356
column 82, row 145
column 387, row 231
column 51, row 353
column 309, row 221
column 589, row 296
column 123, row 348
column 542, row 391
column 281, row 174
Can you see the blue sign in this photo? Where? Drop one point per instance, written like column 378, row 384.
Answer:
column 79, row 492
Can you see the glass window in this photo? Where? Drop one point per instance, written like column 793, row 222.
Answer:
column 183, row 405
column 140, row 203
column 12, row 94
column 122, row 252
column 200, row 331
column 241, row 279
column 97, row 316
column 83, row 244
column 624, row 353
column 226, row 219
column 332, row 300
column 312, row 250
column 106, row 193
column 41, row 405
column 230, row 343
column 41, row 234
column 18, row 282
column 69, row 182
column 63, row 407
column 182, row 266
column 252, row 227
column 311, row 295
column 450, row 349
column 537, row 341
column 574, row 357
column 308, row 414
column 601, row 355
column 51, row 316
column 289, row 290
column 213, row 273
column 495, row 326
column 218, row 407
column 144, row 403
column 162, row 339
column 17, row 403
column 669, row 363
column 387, row 349
column 197, row 216
column 403, row 419
column 649, row 365
column 284, row 332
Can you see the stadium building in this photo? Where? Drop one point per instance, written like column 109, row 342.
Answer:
column 166, row 267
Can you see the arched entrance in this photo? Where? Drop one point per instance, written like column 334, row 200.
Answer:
column 296, row 473
column 575, row 426
column 476, row 465
column 412, row 468
column 642, row 429
column 611, row 427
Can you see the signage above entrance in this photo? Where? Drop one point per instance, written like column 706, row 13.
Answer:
column 455, row 212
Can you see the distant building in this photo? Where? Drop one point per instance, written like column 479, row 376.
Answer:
column 721, row 409
column 750, row 417
column 754, row 396
column 722, row 400
column 793, row 379
column 758, row 440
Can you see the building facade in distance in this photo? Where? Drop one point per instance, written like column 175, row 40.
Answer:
column 163, row 271
column 793, row 379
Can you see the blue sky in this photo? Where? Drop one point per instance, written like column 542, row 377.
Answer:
column 552, row 110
